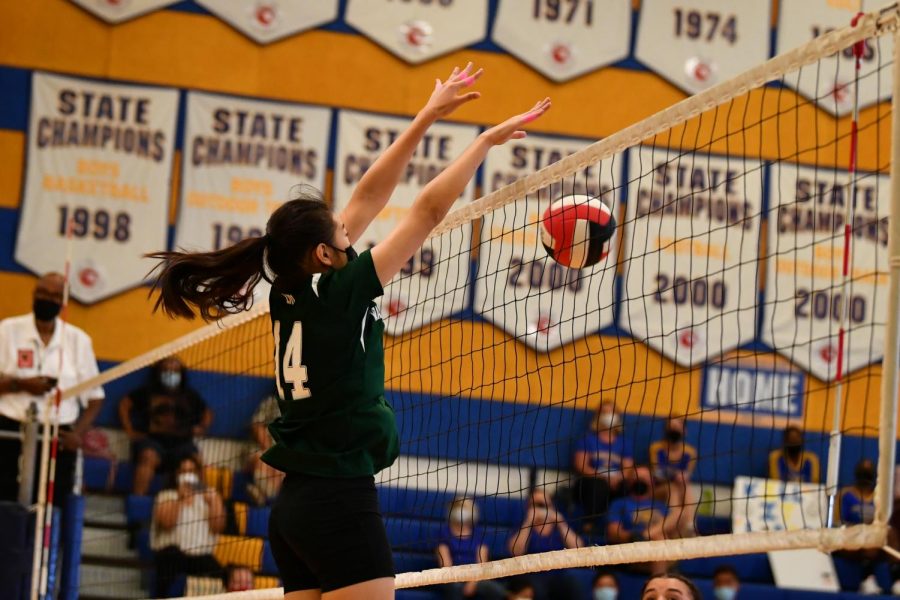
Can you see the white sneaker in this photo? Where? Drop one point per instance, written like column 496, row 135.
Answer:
column 895, row 589
column 869, row 586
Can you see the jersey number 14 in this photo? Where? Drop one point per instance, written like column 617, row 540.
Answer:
column 289, row 365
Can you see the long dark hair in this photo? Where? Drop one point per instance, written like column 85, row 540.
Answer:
column 222, row 281
column 695, row 592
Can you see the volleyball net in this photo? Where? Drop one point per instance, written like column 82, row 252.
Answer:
column 726, row 353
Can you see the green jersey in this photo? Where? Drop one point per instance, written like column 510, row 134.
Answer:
column 329, row 371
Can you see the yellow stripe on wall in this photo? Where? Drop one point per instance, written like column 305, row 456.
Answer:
column 12, row 167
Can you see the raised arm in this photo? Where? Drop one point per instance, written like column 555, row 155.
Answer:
column 436, row 198
column 376, row 186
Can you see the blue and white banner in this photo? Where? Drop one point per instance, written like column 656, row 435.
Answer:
column 760, row 391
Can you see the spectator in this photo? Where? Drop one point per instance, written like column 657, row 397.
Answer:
column 865, row 570
column 162, row 418
column 266, row 481
column 238, row 578
column 520, row 588
column 673, row 461
column 606, row 586
column 602, row 461
column 725, row 583
column 461, row 545
column 30, row 349
column 545, row 530
column 639, row 516
column 187, row 517
column 670, row 586
column 791, row 462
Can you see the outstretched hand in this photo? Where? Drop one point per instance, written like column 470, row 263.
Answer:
column 446, row 97
column 511, row 129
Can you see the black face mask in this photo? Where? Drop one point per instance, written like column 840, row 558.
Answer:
column 349, row 251
column 793, row 451
column 640, row 488
column 865, row 479
column 674, row 436
column 45, row 310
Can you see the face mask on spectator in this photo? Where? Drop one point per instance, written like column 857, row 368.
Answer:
column 640, row 488
column 608, row 420
column 793, row 450
column 462, row 515
column 865, row 478
column 673, row 435
column 45, row 310
column 170, row 379
column 189, row 479
column 605, row 593
column 724, row 593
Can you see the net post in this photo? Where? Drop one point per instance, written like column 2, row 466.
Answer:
column 887, row 435
column 29, row 456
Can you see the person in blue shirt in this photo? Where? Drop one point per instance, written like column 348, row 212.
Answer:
column 602, row 462
column 861, row 570
column 639, row 516
column 672, row 461
column 462, row 544
column 546, row 530
column 791, row 462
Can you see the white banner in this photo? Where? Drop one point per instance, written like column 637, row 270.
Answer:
column 117, row 11
column 241, row 157
column 266, row 21
column 434, row 284
column 804, row 300
column 419, row 30
column 100, row 158
column 692, row 248
column 698, row 43
column 770, row 505
column 563, row 40
column 830, row 81
column 519, row 288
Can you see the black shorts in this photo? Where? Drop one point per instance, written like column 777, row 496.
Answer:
column 328, row 533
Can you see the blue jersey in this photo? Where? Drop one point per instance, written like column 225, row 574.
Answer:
column 855, row 508
column 602, row 456
column 806, row 472
column 635, row 516
column 545, row 543
column 666, row 468
column 463, row 549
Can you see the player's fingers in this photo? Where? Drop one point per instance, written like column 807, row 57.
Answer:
column 474, row 77
column 453, row 74
column 437, row 83
column 518, row 135
column 469, row 97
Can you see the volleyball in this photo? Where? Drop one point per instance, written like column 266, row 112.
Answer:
column 576, row 230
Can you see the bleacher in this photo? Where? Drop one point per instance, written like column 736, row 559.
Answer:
column 436, row 467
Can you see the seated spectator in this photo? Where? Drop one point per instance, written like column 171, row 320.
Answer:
column 791, row 462
column 162, row 418
column 545, row 530
column 672, row 461
column 187, row 517
column 865, row 570
column 520, row 588
column 606, row 586
column 461, row 545
column 602, row 461
column 266, row 481
column 639, row 517
column 725, row 583
column 237, row 578
column 669, row 586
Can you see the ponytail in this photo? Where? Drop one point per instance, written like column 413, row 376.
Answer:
column 216, row 283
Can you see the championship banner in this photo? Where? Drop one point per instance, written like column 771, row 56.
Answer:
column 99, row 160
column 519, row 288
column 118, row 11
column 241, row 157
column 693, row 226
column 418, row 31
column 266, row 21
column 696, row 44
column 804, row 301
column 433, row 284
column 831, row 83
column 562, row 40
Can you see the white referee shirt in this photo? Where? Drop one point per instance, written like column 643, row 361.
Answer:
column 23, row 355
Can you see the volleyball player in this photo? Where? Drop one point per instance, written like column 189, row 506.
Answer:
column 336, row 430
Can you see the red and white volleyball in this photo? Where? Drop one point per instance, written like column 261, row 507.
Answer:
column 576, row 230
